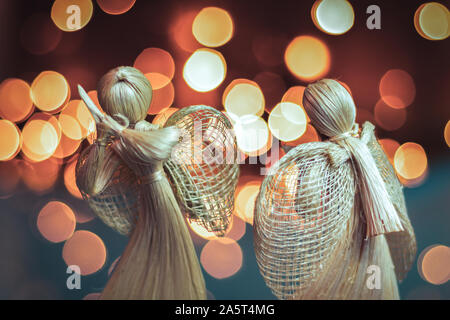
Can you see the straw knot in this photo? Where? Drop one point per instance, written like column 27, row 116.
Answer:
column 152, row 177
column 354, row 132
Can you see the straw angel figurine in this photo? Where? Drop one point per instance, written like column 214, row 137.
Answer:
column 330, row 220
column 121, row 175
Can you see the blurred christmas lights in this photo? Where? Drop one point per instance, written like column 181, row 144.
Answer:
column 205, row 70
column 307, row 58
column 431, row 21
column 85, row 250
column 115, row 7
column 243, row 97
column 56, row 221
column 15, row 100
column 334, row 17
column 71, row 15
column 212, row 27
column 221, row 258
column 287, row 121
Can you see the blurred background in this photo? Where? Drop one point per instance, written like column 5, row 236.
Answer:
column 250, row 59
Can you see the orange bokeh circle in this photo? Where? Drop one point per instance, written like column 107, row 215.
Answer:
column 397, row 88
column 50, row 91
column 15, row 100
column 307, row 58
column 213, row 27
column 221, row 258
column 10, row 141
column 156, row 61
column 389, row 118
column 71, row 15
column 85, row 250
column 410, row 160
column 116, row 7
column 56, row 221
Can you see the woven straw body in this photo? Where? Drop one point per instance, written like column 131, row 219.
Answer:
column 203, row 168
column 117, row 204
column 310, row 228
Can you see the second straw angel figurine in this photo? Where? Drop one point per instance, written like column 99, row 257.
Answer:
column 330, row 220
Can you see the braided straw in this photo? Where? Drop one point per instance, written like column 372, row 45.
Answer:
column 310, row 227
column 204, row 187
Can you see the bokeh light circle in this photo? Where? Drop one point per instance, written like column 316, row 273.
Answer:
column 334, row 17
column 50, row 91
column 397, row 88
column 245, row 201
column 213, row 27
column 181, row 31
column 40, row 177
column 205, row 70
column 389, row 118
column 15, row 100
column 221, row 258
column 237, row 229
column 10, row 141
column 70, row 126
column 307, row 58
column 295, row 95
column 310, row 135
column 56, row 221
column 252, row 133
column 40, row 139
column 85, row 250
column 434, row 264
column 76, row 121
column 158, row 63
column 71, row 15
column 115, row 7
column 447, row 133
column 416, row 182
column 66, row 147
column 243, row 97
column 162, row 97
column 70, row 179
column 410, row 160
column 287, row 121
column 432, row 21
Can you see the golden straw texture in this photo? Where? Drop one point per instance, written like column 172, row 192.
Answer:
column 159, row 261
column 203, row 168
column 116, row 204
column 402, row 245
column 310, row 228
